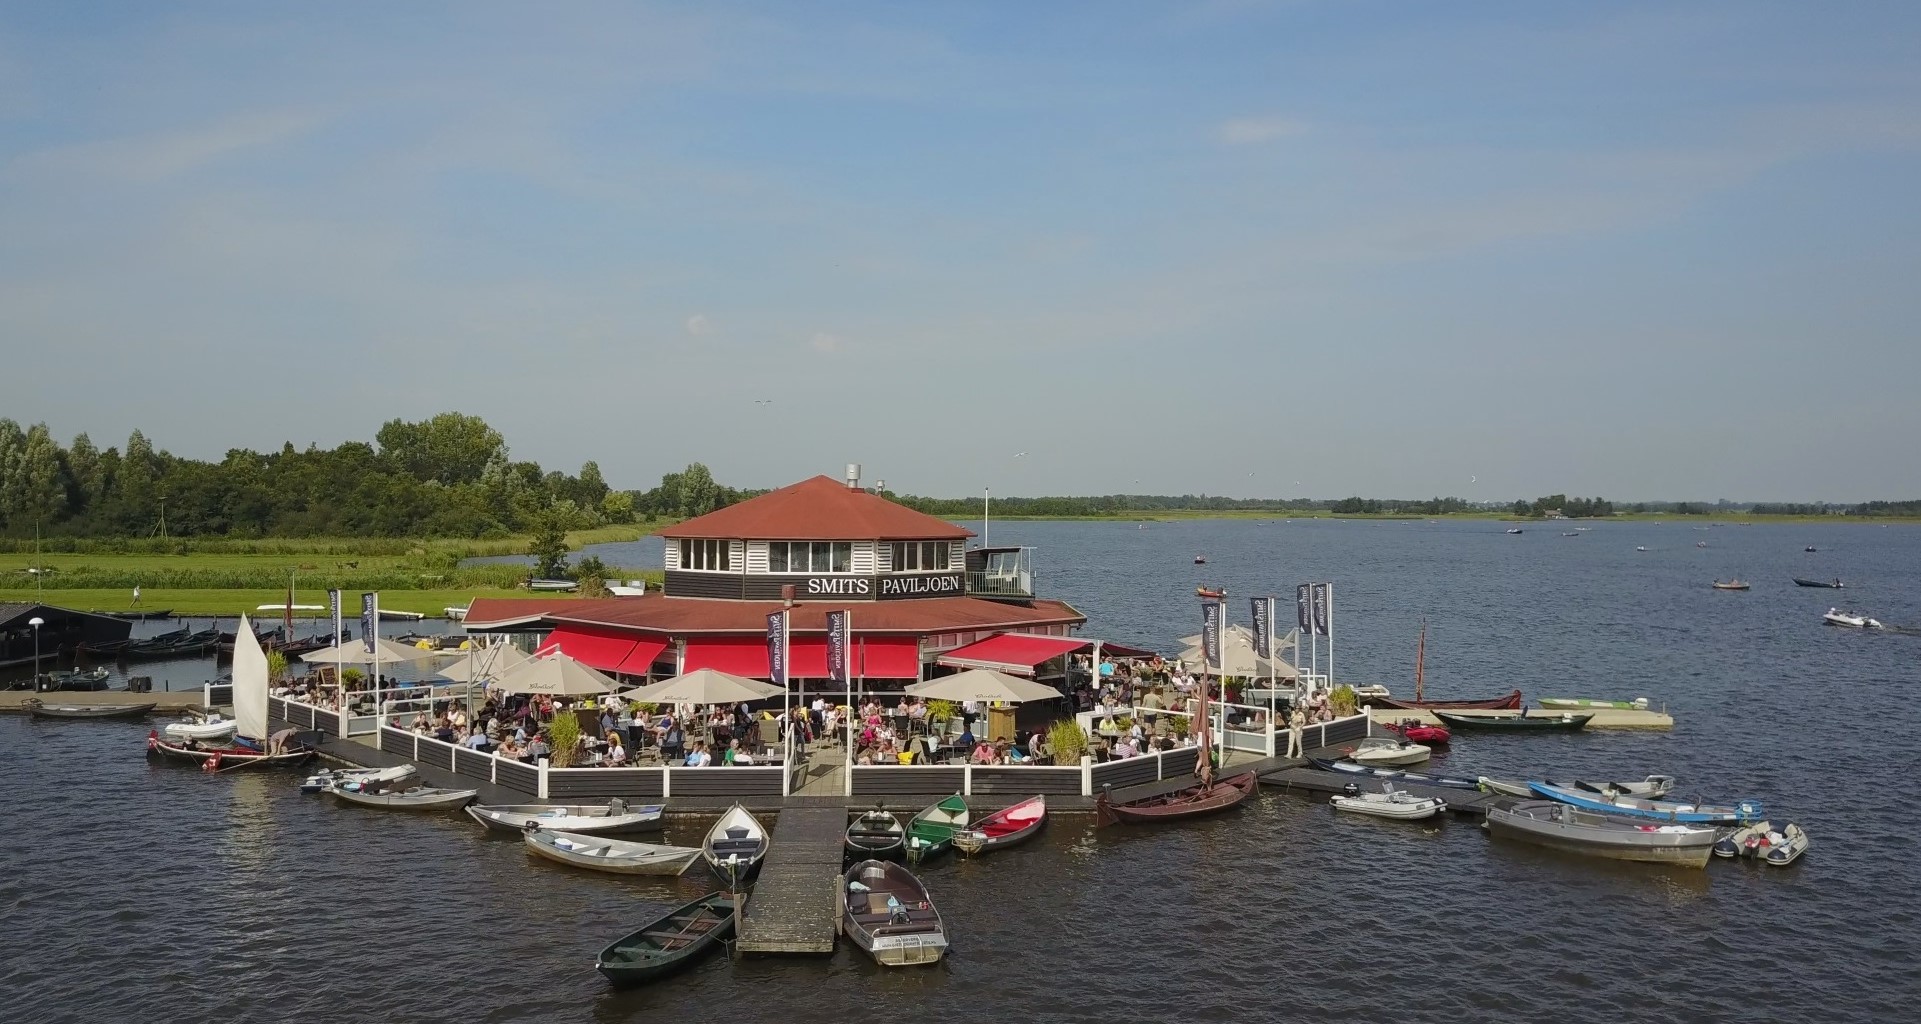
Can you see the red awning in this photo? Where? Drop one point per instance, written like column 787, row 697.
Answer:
column 889, row 657
column 601, row 650
column 1013, row 653
column 641, row 660
column 741, row 656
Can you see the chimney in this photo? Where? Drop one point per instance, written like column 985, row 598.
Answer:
column 880, row 487
column 853, row 476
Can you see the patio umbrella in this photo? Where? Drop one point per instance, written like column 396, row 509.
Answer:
column 485, row 663
column 983, row 684
column 1238, row 657
column 385, row 652
column 703, row 686
column 555, row 674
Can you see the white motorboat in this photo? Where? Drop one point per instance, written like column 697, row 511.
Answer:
column 455, row 613
column 1390, row 803
column 328, row 778
column 212, row 729
column 1853, row 620
column 1767, row 841
column 598, row 854
column 1381, row 750
column 611, row 818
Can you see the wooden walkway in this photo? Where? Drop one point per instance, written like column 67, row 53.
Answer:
column 792, row 907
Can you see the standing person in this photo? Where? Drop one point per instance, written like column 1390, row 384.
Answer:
column 1296, row 721
column 136, row 595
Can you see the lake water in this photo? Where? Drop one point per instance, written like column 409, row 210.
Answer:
column 164, row 895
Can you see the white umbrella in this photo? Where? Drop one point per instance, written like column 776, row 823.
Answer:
column 703, row 686
column 983, row 684
column 555, row 674
column 385, row 652
column 484, row 663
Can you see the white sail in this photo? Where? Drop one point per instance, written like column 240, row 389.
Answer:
column 249, row 683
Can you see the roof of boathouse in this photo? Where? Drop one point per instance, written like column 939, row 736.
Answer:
column 821, row 508
column 658, row 613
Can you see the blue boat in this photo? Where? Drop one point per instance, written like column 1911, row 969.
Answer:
column 1659, row 810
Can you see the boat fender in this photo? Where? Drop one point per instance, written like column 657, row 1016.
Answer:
column 1351, row 789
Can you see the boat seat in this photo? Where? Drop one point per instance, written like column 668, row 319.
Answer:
column 724, row 847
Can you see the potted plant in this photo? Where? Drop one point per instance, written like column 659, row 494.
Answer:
column 563, row 735
column 940, row 711
column 1066, row 741
column 1342, row 700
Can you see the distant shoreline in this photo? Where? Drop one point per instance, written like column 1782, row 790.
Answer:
column 1167, row 515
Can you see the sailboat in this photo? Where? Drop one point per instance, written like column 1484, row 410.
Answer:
column 254, row 746
column 1420, row 702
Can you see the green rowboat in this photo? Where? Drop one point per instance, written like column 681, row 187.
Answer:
column 1584, row 704
column 932, row 830
column 670, row 943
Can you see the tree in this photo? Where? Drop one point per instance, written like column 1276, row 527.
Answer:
column 450, row 447
column 549, row 546
column 696, row 493
column 1522, row 507
column 618, row 507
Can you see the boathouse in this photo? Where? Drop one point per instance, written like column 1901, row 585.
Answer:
column 61, row 631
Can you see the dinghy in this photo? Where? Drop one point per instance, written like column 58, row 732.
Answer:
column 1003, row 828
column 1376, row 751
column 1852, row 620
column 1416, row 731
column 1389, row 803
column 1192, row 802
column 419, row 798
column 735, row 845
column 887, row 912
column 1573, row 830
column 1767, row 841
column 1652, row 786
column 1588, row 704
column 39, row 710
column 614, row 817
column 212, row 729
column 1350, row 768
column 598, row 853
column 877, row 834
column 932, row 830
column 669, row 944
column 1659, row 810
column 328, row 778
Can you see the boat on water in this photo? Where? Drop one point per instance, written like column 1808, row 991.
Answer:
column 615, row 817
column 1200, row 560
column 1809, row 548
column 1003, row 828
column 616, row 856
column 875, row 835
column 210, row 729
column 1852, row 620
column 1389, row 803
column 1514, row 529
column 1574, row 830
column 1192, row 802
column 426, row 799
column 735, row 845
column 1766, row 841
column 1511, row 702
column 250, row 745
column 888, row 913
column 1652, row 786
column 328, row 778
column 1516, row 721
column 37, row 709
column 84, row 679
column 1644, row 807
column 1731, row 585
column 1350, row 768
column 140, row 615
column 932, row 830
column 1570, row 533
column 669, row 943
column 1591, row 704
column 1385, row 751
column 1639, row 547
column 1416, row 731
column 1834, row 584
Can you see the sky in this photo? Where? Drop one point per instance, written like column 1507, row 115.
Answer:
column 1640, row 250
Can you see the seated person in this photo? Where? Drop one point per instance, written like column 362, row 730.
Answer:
column 510, row 748
column 984, row 754
column 616, row 750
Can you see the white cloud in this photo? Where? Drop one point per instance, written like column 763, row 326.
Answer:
column 824, row 342
column 698, row 326
column 1242, row 131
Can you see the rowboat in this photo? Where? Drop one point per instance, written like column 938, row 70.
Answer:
column 1652, row 786
column 1389, row 803
column 1381, row 750
column 1191, row 802
column 1516, row 722
column 224, row 758
column 554, row 585
column 328, row 778
column 1560, row 827
column 39, row 710
column 735, row 845
column 1830, row 584
column 614, row 817
column 1417, row 731
column 419, row 798
column 1587, row 704
column 1350, row 768
column 876, row 833
column 1511, row 702
column 668, row 944
column 1003, row 828
column 890, row 916
column 136, row 616
column 1730, row 585
column 1663, row 810
column 1767, row 841
column 598, row 853
column 932, row 830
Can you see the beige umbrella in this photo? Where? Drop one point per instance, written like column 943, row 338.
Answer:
column 556, row 674
column 1238, row 657
column 983, row 684
column 385, row 652
column 703, row 686
column 484, row 663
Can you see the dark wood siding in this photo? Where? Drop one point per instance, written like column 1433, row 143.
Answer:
column 434, row 753
column 1130, row 772
column 704, row 584
column 1015, row 780
column 474, row 765
column 584, row 782
column 521, row 778
column 882, row 780
column 727, row 781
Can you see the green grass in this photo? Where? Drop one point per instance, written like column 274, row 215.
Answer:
column 229, row 603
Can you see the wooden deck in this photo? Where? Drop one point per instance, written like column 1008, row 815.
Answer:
column 791, row 909
column 167, row 701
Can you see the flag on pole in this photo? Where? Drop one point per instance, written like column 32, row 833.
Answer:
column 1211, row 634
column 369, row 613
column 333, row 609
column 837, row 661
column 777, row 647
column 1323, row 596
column 1303, row 615
column 1258, row 607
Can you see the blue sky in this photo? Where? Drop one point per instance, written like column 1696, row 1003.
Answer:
column 1641, row 250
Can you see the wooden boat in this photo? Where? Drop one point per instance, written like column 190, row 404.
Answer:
column 1660, row 810
column 328, row 778
column 1192, row 802
column 1830, row 584
column 1652, row 786
column 614, row 817
column 419, row 798
column 39, row 710
column 887, row 912
column 75, row 679
column 1585, row 704
column 224, row 758
column 99, row 649
column 160, row 645
column 1573, row 830
column 1350, row 768
column 1382, row 751
column 1730, row 585
column 932, row 830
column 1515, row 722
column 1767, row 841
column 876, row 833
column 735, row 845
column 1511, row 702
column 1416, row 731
column 598, row 853
column 668, row 944
column 140, row 615
column 1003, row 828
column 1389, row 803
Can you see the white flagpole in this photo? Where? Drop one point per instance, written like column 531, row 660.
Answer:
column 1330, row 637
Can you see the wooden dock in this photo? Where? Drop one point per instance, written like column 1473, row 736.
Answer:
column 792, row 907
column 165, row 701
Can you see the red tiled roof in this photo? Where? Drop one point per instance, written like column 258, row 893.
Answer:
column 487, row 612
column 818, row 509
column 679, row 616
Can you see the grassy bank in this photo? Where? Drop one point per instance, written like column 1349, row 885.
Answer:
column 227, row 603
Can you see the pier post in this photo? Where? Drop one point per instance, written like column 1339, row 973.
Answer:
column 967, row 779
column 1087, row 776
column 543, row 778
column 666, row 780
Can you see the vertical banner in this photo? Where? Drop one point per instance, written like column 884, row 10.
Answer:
column 1258, row 607
column 777, row 647
column 837, row 661
column 1303, row 616
column 1321, row 596
column 369, row 614
column 333, row 610
column 1211, row 634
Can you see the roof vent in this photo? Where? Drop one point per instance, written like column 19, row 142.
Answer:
column 853, row 476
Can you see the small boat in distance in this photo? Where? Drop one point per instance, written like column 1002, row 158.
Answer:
column 553, row 585
column 1511, row 702
column 38, row 710
column 1852, row 620
column 1831, row 584
column 1639, row 547
column 1652, row 786
column 1570, row 533
column 1642, row 807
column 1809, row 548
column 1514, row 529
column 1734, row 584
column 1587, row 704
column 1200, row 559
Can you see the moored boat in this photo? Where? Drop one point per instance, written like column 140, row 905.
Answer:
column 1516, row 722
column 328, row 778
column 1731, row 585
column 888, row 913
column 214, row 758
column 1589, row 704
column 139, row 615
column 599, row 853
column 210, row 729
column 1834, row 584
column 1416, row 731
column 1511, row 702
column 1573, row 830
column 75, row 679
column 1652, row 786
column 1387, row 751
column 1191, row 802
column 932, row 830
column 1003, row 828
column 735, row 845
column 1767, row 841
column 38, row 709
column 875, row 834
column 1644, row 807
column 669, row 943
column 1349, row 768
column 1389, row 803
column 418, row 798
column 614, row 817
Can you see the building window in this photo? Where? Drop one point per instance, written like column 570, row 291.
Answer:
column 920, row 556
column 708, row 555
column 817, row 556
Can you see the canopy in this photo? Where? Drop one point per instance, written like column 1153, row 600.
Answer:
column 876, row 657
column 983, row 684
column 602, row 649
column 484, row 663
column 704, row 686
column 1012, row 653
column 556, row 674
column 385, row 652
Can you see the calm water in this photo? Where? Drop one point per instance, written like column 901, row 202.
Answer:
column 163, row 895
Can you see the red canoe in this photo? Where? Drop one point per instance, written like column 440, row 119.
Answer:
column 1003, row 828
column 1416, row 732
column 1511, row 702
column 1191, row 802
